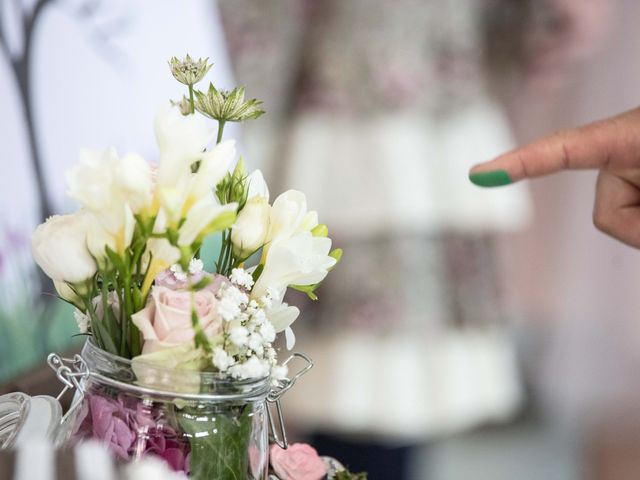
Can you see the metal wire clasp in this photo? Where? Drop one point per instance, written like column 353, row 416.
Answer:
column 279, row 389
column 70, row 371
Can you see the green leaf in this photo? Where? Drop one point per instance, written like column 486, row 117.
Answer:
column 219, row 441
column 347, row 475
column 200, row 339
column 257, row 272
column 320, row 231
column 201, row 284
column 221, row 222
column 308, row 289
column 115, row 260
column 337, row 254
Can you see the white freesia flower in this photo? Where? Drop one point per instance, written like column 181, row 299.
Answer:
column 59, row 247
column 104, row 183
column 162, row 255
column 179, row 196
column 112, row 190
column 135, row 181
column 181, row 140
column 282, row 315
column 204, row 218
column 287, row 213
column 251, row 228
column 214, row 165
column 299, row 260
column 309, row 222
column 66, row 293
column 98, row 237
column 90, row 182
column 257, row 186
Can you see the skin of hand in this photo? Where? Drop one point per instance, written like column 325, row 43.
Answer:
column 611, row 146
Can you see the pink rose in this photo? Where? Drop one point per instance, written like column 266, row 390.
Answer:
column 166, row 320
column 299, row 462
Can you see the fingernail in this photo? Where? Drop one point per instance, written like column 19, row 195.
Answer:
column 494, row 178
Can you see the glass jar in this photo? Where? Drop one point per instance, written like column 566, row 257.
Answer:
column 200, row 423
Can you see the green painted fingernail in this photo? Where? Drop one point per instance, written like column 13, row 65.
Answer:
column 494, row 178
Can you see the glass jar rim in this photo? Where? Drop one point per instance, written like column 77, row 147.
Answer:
column 150, row 378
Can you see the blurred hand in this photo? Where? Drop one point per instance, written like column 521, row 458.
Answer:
column 611, row 146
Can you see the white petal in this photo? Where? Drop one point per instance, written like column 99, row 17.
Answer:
column 257, row 185
column 290, row 337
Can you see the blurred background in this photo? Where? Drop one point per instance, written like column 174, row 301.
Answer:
column 468, row 333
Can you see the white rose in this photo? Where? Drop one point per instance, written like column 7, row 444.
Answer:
column 299, row 260
column 59, row 247
column 249, row 233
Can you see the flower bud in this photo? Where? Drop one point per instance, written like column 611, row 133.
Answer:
column 184, row 105
column 189, row 71
column 249, row 233
column 59, row 247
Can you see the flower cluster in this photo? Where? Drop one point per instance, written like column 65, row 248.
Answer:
column 121, row 422
column 130, row 258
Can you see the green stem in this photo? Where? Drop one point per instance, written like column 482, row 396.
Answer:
column 220, row 129
column 193, row 107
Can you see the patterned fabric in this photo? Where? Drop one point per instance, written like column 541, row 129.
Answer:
column 376, row 110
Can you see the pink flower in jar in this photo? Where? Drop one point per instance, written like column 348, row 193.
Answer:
column 166, row 320
column 109, row 423
column 299, row 462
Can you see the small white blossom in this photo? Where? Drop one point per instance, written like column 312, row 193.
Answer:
column 259, row 317
column 255, row 342
column 236, row 295
column 242, row 278
column 196, row 266
column 239, row 336
column 230, row 303
column 253, row 306
column 267, row 332
column 178, row 273
column 221, row 359
column 271, row 354
column 82, row 320
column 279, row 372
column 252, row 368
column 228, row 309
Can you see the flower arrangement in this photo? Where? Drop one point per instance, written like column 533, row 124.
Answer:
column 130, row 260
